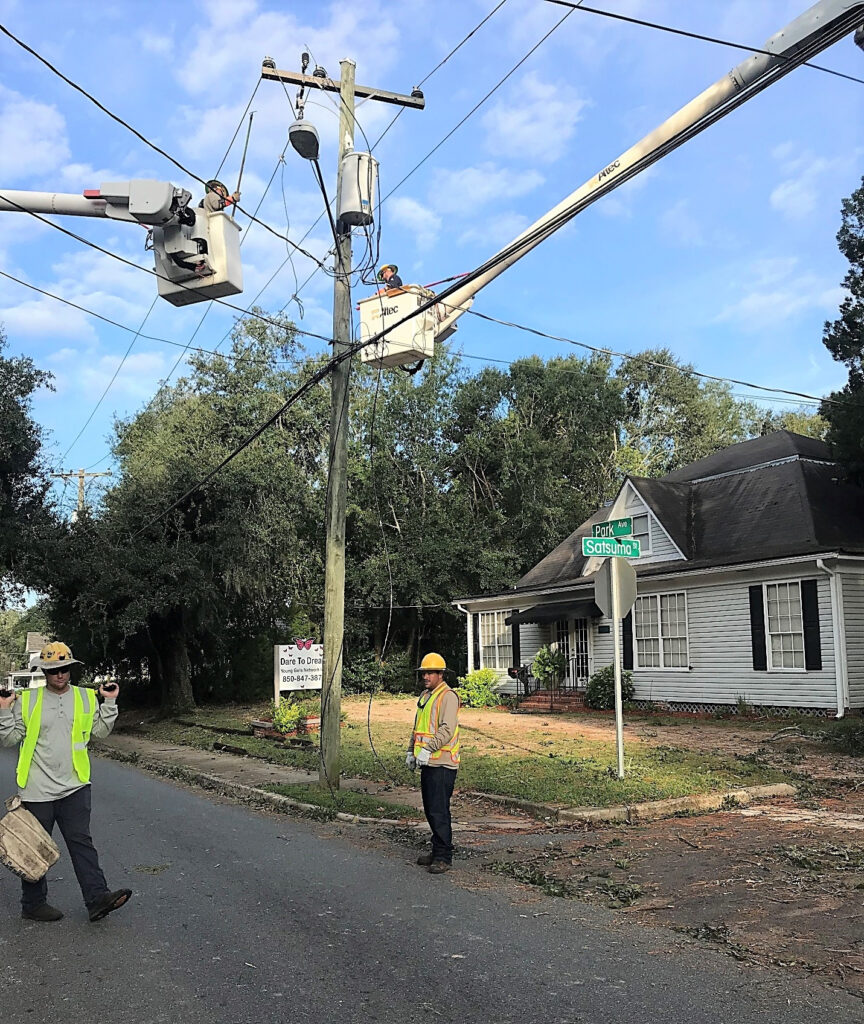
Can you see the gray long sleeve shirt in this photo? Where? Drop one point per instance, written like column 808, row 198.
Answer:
column 52, row 776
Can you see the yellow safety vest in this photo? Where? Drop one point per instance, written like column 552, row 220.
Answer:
column 426, row 725
column 82, row 726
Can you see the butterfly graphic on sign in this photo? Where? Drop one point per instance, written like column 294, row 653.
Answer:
column 303, row 645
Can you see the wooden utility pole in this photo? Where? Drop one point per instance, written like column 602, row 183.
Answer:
column 82, row 475
column 334, row 570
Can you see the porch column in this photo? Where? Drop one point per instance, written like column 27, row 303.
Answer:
column 470, row 620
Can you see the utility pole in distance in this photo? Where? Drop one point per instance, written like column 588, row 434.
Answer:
column 334, row 571
column 82, row 475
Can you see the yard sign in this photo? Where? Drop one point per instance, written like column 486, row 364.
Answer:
column 297, row 666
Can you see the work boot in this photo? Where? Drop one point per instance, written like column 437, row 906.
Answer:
column 438, row 867
column 424, row 860
column 44, row 912
column 105, row 904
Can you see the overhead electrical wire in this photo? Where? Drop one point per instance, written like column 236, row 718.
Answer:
column 153, row 303
column 144, row 139
column 477, row 106
column 697, row 35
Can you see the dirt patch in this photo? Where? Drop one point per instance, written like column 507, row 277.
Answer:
column 758, row 887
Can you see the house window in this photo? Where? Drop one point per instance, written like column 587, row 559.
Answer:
column 784, row 619
column 496, row 647
column 660, row 631
column 642, row 532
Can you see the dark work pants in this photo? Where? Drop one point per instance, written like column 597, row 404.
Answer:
column 436, row 785
column 72, row 815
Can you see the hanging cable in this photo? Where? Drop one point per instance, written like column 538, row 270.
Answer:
column 696, row 35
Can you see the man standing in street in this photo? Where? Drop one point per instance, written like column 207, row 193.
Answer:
column 435, row 749
column 53, row 726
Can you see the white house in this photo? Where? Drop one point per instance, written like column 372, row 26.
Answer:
column 750, row 585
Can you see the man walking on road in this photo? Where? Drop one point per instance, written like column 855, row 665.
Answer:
column 53, row 726
column 435, row 749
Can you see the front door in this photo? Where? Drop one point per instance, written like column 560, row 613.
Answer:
column 580, row 654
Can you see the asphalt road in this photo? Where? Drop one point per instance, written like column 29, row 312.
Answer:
column 239, row 916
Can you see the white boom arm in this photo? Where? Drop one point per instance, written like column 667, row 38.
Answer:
column 809, row 34
column 141, row 201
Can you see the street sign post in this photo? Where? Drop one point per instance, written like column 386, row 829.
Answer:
column 615, row 595
column 614, row 528
column 611, row 547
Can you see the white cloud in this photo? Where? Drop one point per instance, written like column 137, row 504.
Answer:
column 466, row 190
column 803, row 188
column 776, row 290
column 422, row 222
column 537, row 120
column 680, row 226
column 32, row 137
column 152, row 42
column 495, row 232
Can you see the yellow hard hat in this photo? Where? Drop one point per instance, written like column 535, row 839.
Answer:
column 386, row 266
column 55, row 656
column 432, row 663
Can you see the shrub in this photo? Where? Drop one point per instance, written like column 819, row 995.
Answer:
column 476, row 689
column 548, row 666
column 600, row 693
column 366, row 673
column 290, row 712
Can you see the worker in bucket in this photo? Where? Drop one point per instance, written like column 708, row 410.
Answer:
column 53, row 726
column 389, row 275
column 216, row 197
column 435, row 750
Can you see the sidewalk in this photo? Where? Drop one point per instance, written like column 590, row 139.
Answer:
column 471, row 813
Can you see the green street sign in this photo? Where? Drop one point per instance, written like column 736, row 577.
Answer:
column 607, row 547
column 614, row 528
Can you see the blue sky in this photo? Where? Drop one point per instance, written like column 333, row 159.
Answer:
column 725, row 251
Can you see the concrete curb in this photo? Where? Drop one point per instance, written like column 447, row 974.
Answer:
column 649, row 811
column 249, row 794
column 654, row 809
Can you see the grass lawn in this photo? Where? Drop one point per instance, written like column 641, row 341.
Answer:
column 567, row 760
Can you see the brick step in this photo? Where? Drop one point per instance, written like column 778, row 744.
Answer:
column 543, row 702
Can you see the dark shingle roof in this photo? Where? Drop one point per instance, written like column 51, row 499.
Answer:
column 782, row 444
column 746, row 511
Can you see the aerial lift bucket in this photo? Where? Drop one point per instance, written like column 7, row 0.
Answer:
column 25, row 847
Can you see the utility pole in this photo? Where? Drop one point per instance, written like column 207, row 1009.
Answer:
column 82, row 475
column 334, row 570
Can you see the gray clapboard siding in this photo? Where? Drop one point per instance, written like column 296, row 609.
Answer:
column 853, row 611
column 721, row 666
column 662, row 549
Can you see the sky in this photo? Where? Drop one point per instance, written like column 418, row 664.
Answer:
column 724, row 251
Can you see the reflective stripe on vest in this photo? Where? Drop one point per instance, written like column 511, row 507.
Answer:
column 82, row 726
column 426, row 725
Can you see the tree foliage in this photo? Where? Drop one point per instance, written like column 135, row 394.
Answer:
column 25, row 514
column 844, row 339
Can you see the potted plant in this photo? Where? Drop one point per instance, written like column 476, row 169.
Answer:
column 548, row 667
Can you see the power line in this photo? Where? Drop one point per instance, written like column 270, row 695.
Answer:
column 649, row 362
column 477, row 106
column 137, row 266
column 697, row 35
column 143, row 138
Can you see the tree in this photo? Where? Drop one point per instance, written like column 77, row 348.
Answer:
column 673, row 417
column 198, row 593
column 844, row 339
column 25, row 514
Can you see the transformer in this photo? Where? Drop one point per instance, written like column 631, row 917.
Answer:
column 359, row 177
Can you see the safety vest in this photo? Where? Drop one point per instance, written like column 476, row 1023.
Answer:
column 82, row 725
column 426, row 725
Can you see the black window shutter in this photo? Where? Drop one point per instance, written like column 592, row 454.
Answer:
column 516, row 641
column 812, row 639
column 627, row 636
column 757, row 629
